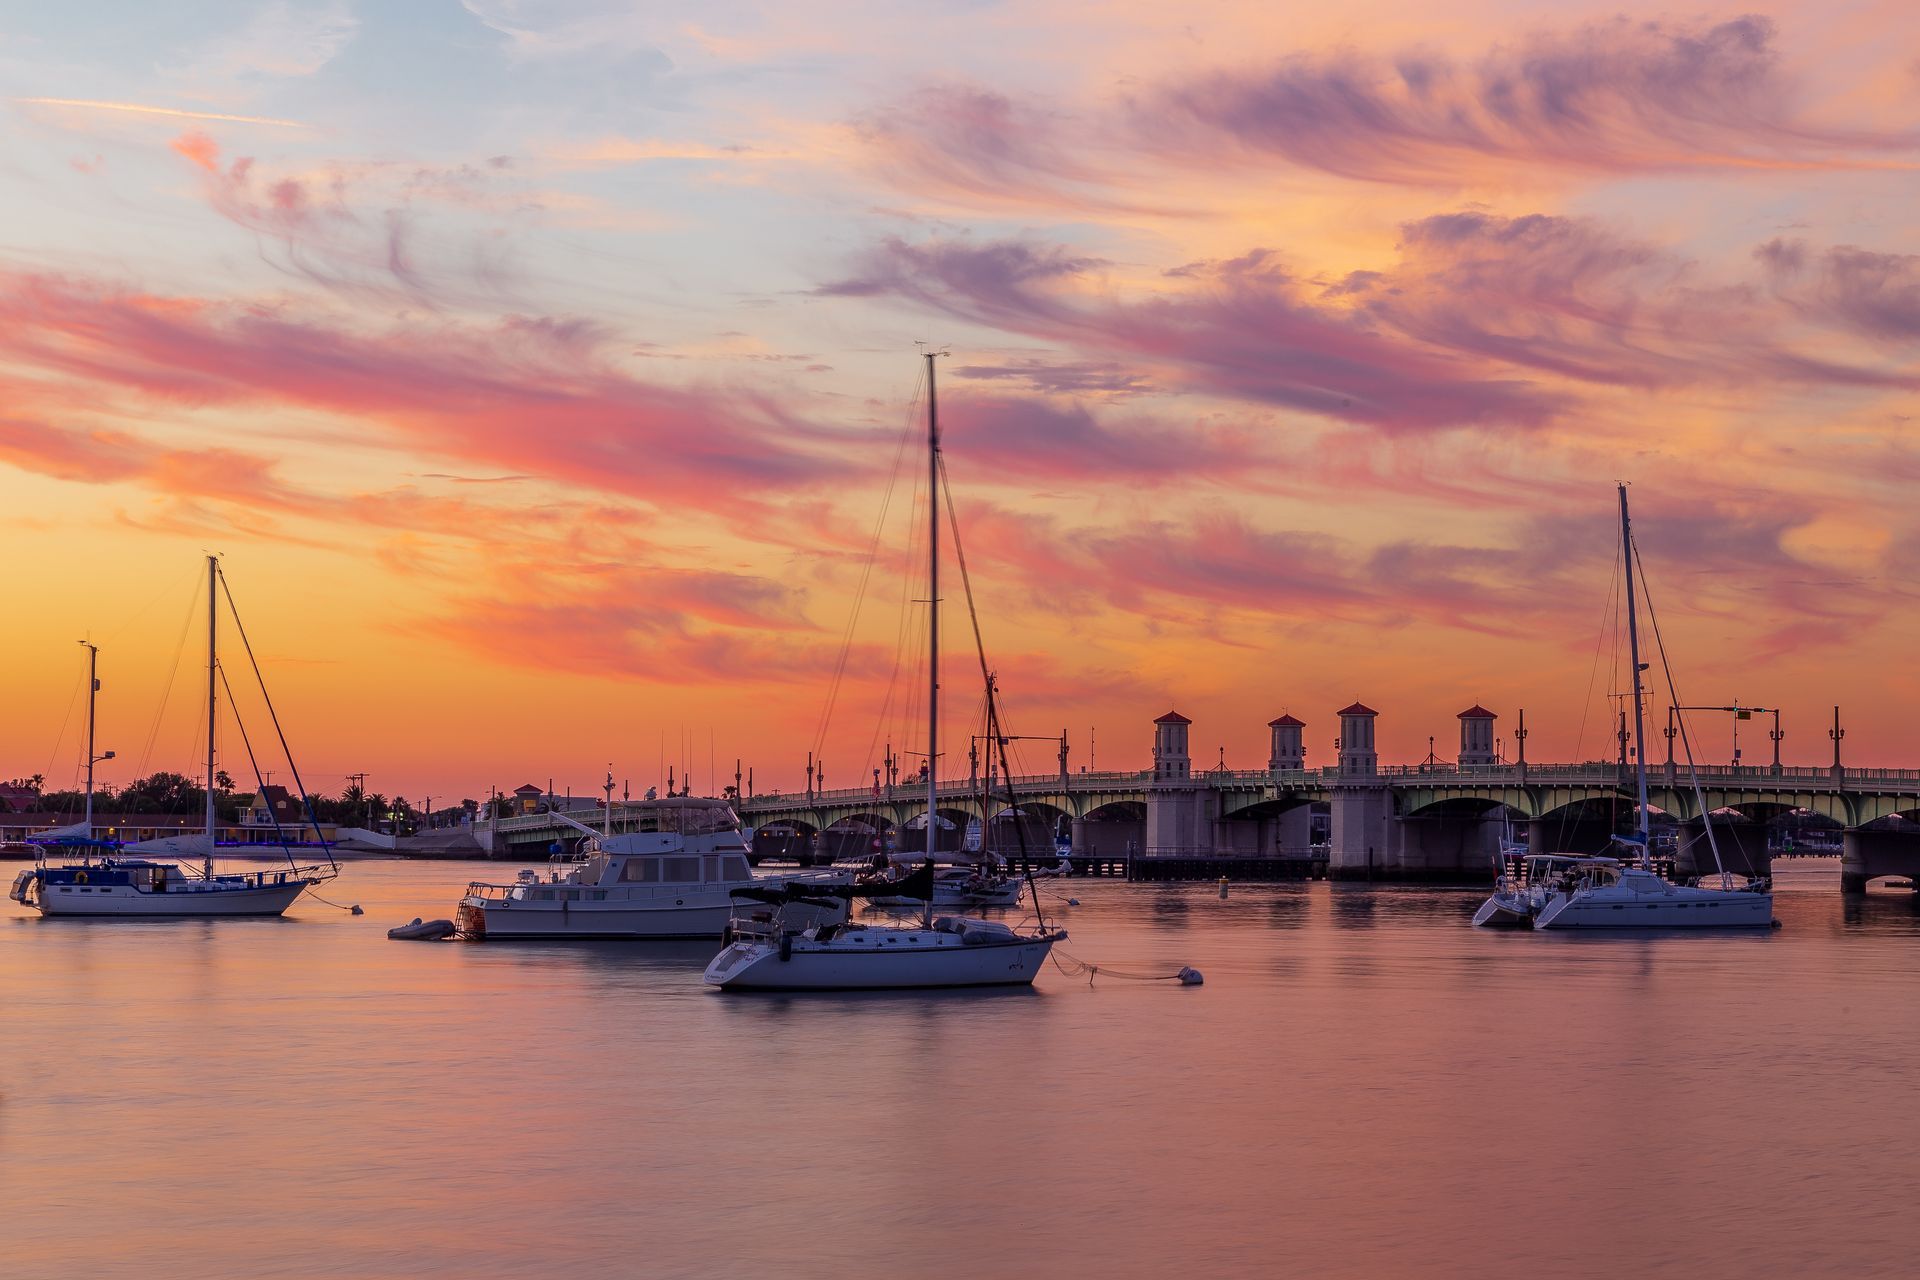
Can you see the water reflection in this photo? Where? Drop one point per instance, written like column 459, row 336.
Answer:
column 1349, row 1038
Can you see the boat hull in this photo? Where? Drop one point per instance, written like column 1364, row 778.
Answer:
column 179, row 900
column 799, row 964
column 519, row 920
column 1682, row 909
column 1502, row 911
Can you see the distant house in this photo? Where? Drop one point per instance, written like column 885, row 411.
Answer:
column 18, row 797
column 272, row 804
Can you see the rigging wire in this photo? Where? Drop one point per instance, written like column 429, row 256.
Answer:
column 1609, row 626
column 866, row 574
column 240, row 724
column 173, row 673
column 1673, row 691
column 306, row 801
column 65, row 720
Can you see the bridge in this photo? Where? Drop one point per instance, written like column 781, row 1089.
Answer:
column 1440, row 821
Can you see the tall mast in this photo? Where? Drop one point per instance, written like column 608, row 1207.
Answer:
column 933, row 627
column 1639, row 713
column 213, row 679
column 93, row 687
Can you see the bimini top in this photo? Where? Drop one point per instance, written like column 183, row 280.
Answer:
column 680, row 815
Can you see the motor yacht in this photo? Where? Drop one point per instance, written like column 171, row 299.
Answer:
column 671, row 874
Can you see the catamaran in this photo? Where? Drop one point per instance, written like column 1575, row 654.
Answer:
column 1613, row 893
column 772, row 955
column 97, row 879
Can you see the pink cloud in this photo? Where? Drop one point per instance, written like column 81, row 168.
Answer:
column 1620, row 96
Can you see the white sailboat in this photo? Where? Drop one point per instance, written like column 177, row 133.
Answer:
column 104, row 882
column 1610, row 893
column 947, row 952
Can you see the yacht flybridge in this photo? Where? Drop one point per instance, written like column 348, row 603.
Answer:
column 98, row 880
column 671, row 874
column 779, row 954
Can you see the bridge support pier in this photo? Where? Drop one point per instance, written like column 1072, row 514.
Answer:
column 1867, row 855
column 1742, row 845
column 1569, row 835
column 1363, row 846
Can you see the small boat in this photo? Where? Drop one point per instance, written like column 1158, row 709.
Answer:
column 671, row 875
column 423, row 930
column 953, row 951
column 104, row 882
column 968, row 886
column 774, row 954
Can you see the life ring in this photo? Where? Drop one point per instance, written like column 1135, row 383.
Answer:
column 79, row 877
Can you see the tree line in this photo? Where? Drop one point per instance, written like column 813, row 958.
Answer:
column 175, row 793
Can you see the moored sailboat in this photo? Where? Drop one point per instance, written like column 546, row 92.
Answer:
column 1611, row 893
column 97, row 879
column 946, row 952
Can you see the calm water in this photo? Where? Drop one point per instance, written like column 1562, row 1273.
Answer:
column 1364, row 1086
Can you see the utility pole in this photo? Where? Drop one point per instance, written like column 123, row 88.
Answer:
column 809, row 777
column 1836, row 733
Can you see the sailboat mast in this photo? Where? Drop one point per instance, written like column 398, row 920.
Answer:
column 1633, row 652
column 933, row 627
column 213, row 680
column 93, row 687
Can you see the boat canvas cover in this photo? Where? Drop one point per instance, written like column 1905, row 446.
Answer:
column 918, row 884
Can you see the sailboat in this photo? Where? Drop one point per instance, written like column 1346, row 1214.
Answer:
column 105, row 882
column 1616, row 893
column 944, row 952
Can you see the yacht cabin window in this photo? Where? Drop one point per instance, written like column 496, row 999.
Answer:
column 643, row 870
column 679, row 870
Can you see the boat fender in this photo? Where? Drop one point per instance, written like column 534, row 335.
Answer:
column 79, row 877
column 1190, row 977
column 727, row 935
column 786, row 946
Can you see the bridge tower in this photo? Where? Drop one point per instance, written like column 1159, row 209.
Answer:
column 1177, row 818
column 1357, row 754
column 1293, row 828
column 1289, row 753
column 1476, row 736
column 1362, row 805
column 1170, row 755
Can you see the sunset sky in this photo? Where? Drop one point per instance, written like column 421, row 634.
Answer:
column 540, row 367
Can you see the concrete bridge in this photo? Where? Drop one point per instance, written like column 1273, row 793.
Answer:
column 1441, row 821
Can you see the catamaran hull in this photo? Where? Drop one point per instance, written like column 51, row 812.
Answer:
column 804, row 966
column 546, row 921
column 179, row 900
column 1681, row 911
column 1503, row 912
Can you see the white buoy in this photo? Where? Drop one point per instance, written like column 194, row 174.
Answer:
column 1223, row 886
column 1191, row 977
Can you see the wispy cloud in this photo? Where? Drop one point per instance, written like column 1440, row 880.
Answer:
column 148, row 109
